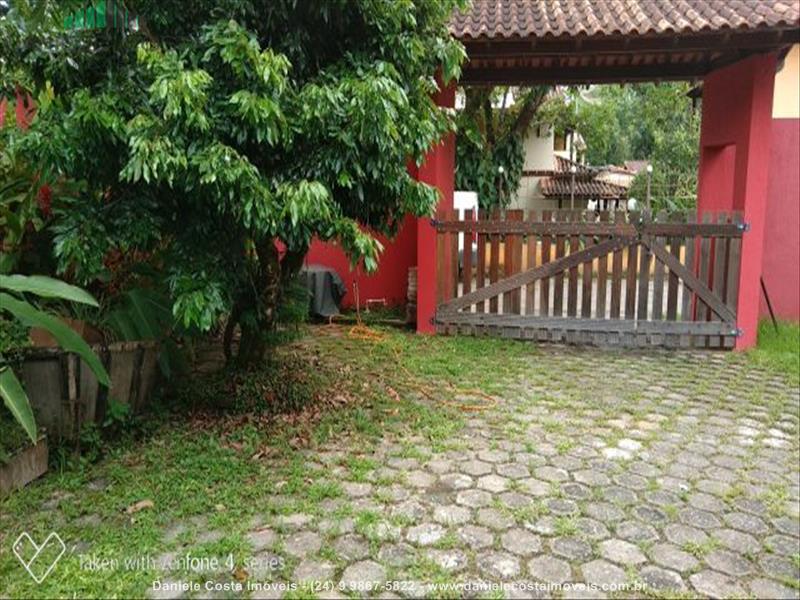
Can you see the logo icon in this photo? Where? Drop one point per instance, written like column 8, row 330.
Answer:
column 39, row 560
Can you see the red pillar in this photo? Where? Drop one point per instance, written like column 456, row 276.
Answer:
column 438, row 170
column 734, row 164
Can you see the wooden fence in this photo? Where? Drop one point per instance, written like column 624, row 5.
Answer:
column 585, row 277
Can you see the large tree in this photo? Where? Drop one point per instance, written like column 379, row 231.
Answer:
column 223, row 136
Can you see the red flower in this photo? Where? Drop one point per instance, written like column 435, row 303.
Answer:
column 45, row 198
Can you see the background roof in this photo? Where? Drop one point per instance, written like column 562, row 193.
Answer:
column 506, row 19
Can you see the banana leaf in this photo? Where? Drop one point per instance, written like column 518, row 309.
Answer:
column 66, row 337
column 17, row 402
column 46, row 287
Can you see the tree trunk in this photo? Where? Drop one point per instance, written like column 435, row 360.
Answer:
column 256, row 311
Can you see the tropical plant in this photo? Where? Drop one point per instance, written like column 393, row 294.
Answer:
column 230, row 134
column 13, row 301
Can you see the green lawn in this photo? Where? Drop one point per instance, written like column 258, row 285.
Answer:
column 778, row 351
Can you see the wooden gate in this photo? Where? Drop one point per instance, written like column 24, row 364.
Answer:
column 581, row 277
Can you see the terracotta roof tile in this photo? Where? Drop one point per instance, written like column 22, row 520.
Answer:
column 491, row 19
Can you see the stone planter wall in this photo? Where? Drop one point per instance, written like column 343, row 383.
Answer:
column 25, row 466
column 65, row 394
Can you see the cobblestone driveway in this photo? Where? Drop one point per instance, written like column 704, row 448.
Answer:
column 678, row 472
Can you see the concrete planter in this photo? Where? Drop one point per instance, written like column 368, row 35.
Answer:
column 25, row 466
column 66, row 396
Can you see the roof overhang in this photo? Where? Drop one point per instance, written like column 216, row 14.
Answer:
column 615, row 58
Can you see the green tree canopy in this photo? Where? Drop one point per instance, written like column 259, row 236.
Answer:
column 222, row 127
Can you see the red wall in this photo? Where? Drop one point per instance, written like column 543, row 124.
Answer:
column 390, row 281
column 781, row 266
column 734, row 166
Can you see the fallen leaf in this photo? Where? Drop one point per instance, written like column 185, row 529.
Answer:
column 140, row 505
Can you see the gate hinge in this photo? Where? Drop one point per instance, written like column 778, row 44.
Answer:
column 743, row 227
column 738, row 332
column 435, row 222
column 432, row 320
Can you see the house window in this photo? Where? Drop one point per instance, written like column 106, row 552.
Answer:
column 559, row 142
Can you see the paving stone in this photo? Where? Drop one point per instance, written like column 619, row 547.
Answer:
column 576, row 491
column 786, row 525
column 681, row 535
column 451, row 514
column 783, row 544
column 636, row 531
column 476, row 468
column 672, row 557
column 591, row 529
column 475, row 537
column 662, row 498
column 493, row 483
column 420, row 479
column 425, row 534
column 500, row 565
column 729, row 562
column 650, row 514
column 293, row 521
column 365, row 574
column 769, row 588
column 622, row 552
column 780, row 567
column 513, row 471
column 562, row 507
column 456, row 481
column 549, row 569
column 261, row 538
column 534, row 487
column 474, row 498
column 661, row 579
column 716, row 585
column 619, row 495
column 746, row 523
column 548, row 473
column 439, row 466
column 493, row 456
column 571, row 548
column 514, row 500
column 351, row 547
column 520, row 542
column 700, row 518
column 494, row 519
column 354, row 489
column 604, row 511
column 591, row 477
column 410, row 509
column 314, row 571
column 603, row 574
column 737, row 541
column 396, row 555
column 448, row 560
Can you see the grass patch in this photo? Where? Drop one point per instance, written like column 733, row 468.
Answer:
column 778, row 351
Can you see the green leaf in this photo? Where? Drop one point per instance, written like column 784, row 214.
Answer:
column 46, row 287
column 66, row 337
column 15, row 398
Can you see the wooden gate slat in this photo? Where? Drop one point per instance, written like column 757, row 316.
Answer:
column 513, row 264
column 441, row 238
column 687, row 305
column 480, row 275
column 544, row 284
column 630, row 281
column 587, row 275
column 572, row 286
column 672, row 286
column 530, row 289
column 644, row 278
column 602, row 271
column 616, row 276
column 734, row 260
column 720, row 270
column 658, row 277
column 558, row 293
column 466, row 262
column 494, row 262
column 703, row 309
